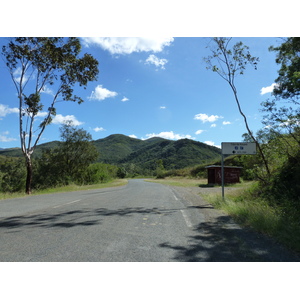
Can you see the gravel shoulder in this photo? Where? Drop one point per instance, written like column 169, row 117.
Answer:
column 247, row 244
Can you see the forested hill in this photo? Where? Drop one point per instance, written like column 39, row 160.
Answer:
column 119, row 149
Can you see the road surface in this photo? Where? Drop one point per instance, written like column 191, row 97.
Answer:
column 140, row 222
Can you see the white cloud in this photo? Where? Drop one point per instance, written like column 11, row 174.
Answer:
column 127, row 45
column 268, row 89
column 162, row 107
column 98, row 129
column 47, row 90
column 17, row 75
column 170, row 135
column 42, row 114
column 133, row 136
column 5, row 110
column 5, row 139
column 210, row 143
column 213, row 125
column 226, row 123
column 205, row 118
column 101, row 93
column 60, row 119
column 199, row 131
column 158, row 62
column 125, row 99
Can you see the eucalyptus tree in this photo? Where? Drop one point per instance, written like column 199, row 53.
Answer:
column 230, row 62
column 283, row 111
column 37, row 65
column 288, row 80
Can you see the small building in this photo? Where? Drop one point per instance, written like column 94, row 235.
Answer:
column 231, row 174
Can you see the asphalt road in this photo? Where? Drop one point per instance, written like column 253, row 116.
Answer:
column 142, row 221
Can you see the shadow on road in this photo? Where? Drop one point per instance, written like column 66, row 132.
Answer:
column 219, row 240
column 83, row 217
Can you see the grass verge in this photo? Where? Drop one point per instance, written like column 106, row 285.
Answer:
column 258, row 214
column 248, row 210
column 68, row 188
column 179, row 181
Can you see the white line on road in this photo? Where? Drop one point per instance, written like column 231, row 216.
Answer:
column 186, row 219
column 67, row 203
column 174, row 195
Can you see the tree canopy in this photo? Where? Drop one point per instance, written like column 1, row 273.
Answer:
column 35, row 64
column 288, row 81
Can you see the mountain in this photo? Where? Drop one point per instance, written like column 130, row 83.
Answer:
column 17, row 152
column 119, row 149
column 116, row 147
column 174, row 154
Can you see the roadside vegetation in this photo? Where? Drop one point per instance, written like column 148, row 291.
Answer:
column 70, row 166
column 68, row 188
column 250, row 209
column 268, row 203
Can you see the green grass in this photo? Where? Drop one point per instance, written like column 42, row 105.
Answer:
column 68, row 188
column 248, row 210
column 259, row 215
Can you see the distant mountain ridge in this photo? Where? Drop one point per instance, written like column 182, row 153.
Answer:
column 119, row 149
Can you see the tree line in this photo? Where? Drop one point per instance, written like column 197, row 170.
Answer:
column 72, row 162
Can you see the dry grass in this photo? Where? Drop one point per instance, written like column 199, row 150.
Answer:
column 179, row 181
column 68, row 188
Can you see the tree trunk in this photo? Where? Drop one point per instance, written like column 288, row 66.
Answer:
column 248, row 129
column 29, row 174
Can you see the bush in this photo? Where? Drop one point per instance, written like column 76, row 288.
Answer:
column 121, row 173
column 99, row 173
column 13, row 175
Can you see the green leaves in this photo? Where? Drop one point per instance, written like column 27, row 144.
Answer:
column 52, row 59
column 33, row 103
column 288, row 81
column 229, row 62
column 44, row 61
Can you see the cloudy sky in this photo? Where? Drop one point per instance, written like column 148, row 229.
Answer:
column 154, row 87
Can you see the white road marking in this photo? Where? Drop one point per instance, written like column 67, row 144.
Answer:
column 174, row 195
column 66, row 203
column 186, row 219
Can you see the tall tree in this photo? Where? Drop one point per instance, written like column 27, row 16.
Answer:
column 35, row 64
column 283, row 118
column 76, row 152
column 288, row 81
column 229, row 62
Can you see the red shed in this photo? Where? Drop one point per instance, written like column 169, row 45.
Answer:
column 231, row 174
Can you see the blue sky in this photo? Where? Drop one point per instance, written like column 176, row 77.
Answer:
column 154, row 87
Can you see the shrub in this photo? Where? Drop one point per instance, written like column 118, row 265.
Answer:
column 99, row 173
column 13, row 175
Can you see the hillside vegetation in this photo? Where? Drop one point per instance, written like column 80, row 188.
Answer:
column 141, row 156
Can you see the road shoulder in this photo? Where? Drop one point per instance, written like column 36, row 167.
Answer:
column 255, row 246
